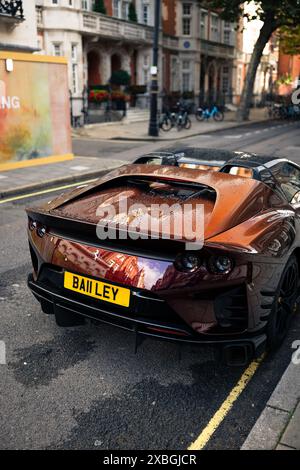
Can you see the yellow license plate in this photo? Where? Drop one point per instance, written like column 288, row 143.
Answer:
column 97, row 289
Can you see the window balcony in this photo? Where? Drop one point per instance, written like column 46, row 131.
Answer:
column 170, row 42
column 215, row 49
column 11, row 11
column 114, row 28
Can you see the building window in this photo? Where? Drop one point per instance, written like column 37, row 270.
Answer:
column 145, row 76
column 54, row 2
column 39, row 15
column 214, row 28
column 125, row 10
column 145, row 11
column 186, row 19
column 186, row 75
column 174, row 74
column 74, row 78
column 85, row 4
column 227, row 32
column 145, row 73
column 203, row 25
column 186, row 9
column 70, row 3
column 116, row 8
column 74, row 52
column 225, row 80
column 57, row 49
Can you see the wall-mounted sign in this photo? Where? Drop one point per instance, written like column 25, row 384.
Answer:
column 34, row 109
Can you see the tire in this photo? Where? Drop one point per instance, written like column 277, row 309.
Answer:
column 166, row 125
column 219, row 116
column 284, row 304
column 199, row 114
column 188, row 123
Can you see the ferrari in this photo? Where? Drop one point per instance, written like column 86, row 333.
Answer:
column 237, row 290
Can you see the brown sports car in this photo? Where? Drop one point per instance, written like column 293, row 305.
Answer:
column 237, row 290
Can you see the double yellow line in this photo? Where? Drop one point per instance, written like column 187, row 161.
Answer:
column 45, row 191
column 226, row 406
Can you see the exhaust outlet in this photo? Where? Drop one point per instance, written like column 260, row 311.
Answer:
column 238, row 354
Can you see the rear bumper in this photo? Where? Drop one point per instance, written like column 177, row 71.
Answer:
column 70, row 311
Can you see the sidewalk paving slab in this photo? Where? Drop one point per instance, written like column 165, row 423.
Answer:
column 267, row 431
column 291, row 436
column 279, row 423
column 139, row 131
column 22, row 180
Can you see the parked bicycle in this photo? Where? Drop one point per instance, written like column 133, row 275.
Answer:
column 183, row 120
column 179, row 118
column 207, row 113
column 167, row 121
column 283, row 111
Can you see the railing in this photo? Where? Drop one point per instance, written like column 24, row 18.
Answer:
column 171, row 42
column 113, row 27
column 13, row 8
column 217, row 49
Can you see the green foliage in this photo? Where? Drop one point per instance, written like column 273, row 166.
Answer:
column 120, row 77
column 280, row 12
column 290, row 40
column 284, row 80
column 132, row 16
column 99, row 7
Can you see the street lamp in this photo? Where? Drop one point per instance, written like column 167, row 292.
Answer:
column 153, row 125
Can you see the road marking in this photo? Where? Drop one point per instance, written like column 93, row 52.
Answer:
column 47, row 191
column 2, row 177
column 233, row 136
column 257, row 132
column 79, row 168
column 226, row 406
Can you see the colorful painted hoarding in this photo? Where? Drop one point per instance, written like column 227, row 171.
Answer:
column 34, row 110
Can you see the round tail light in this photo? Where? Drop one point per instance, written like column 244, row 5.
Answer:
column 41, row 231
column 220, row 264
column 187, row 262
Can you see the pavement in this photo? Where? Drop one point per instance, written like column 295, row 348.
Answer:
column 84, row 388
column 81, row 168
column 278, row 426
column 138, row 131
column 86, row 166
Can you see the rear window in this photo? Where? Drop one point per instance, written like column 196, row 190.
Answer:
column 196, row 166
column 241, row 171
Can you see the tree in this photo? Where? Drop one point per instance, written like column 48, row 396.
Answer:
column 290, row 40
column 132, row 16
column 99, row 7
column 274, row 14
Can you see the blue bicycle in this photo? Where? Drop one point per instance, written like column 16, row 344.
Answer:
column 206, row 113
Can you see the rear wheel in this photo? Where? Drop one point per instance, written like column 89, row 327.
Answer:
column 199, row 114
column 284, row 304
column 166, row 124
column 218, row 116
column 188, row 123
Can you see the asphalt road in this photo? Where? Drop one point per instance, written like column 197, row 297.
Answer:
column 85, row 388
